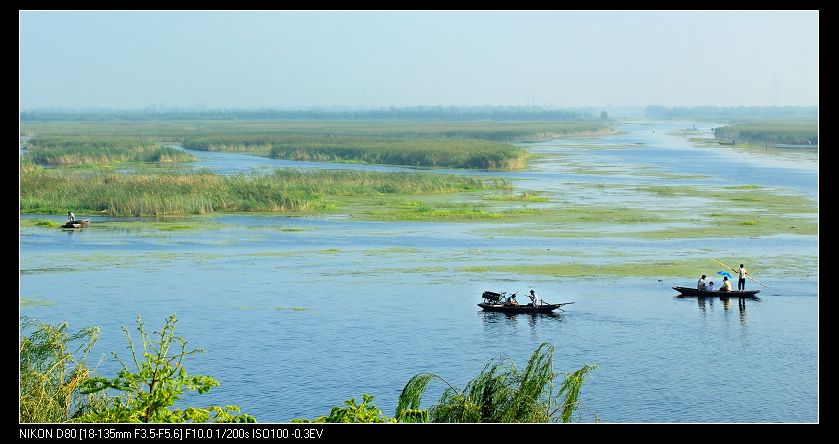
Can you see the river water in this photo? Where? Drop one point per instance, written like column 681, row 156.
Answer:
column 297, row 314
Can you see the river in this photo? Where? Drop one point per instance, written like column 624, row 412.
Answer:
column 297, row 314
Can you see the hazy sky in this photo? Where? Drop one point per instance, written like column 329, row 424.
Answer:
column 348, row 59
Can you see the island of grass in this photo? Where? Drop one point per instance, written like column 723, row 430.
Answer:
column 45, row 190
column 471, row 145
column 771, row 133
column 474, row 145
column 76, row 150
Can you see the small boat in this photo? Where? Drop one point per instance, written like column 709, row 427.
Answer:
column 687, row 291
column 76, row 223
column 499, row 302
column 543, row 308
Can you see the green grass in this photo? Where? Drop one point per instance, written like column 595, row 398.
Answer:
column 774, row 266
column 680, row 211
column 521, row 197
column 34, row 302
column 56, row 269
column 44, row 191
column 181, row 131
column 179, row 223
column 473, row 145
column 46, row 223
column 683, row 268
column 291, row 309
column 177, row 227
column 278, row 308
column 475, row 269
column 398, row 251
column 96, row 150
column 797, row 132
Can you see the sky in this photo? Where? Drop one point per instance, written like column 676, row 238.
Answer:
column 379, row 59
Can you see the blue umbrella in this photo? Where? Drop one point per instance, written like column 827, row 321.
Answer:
column 724, row 273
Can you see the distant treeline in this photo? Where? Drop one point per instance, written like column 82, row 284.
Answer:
column 771, row 133
column 453, row 113
column 731, row 113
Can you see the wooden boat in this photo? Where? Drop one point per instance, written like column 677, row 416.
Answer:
column 514, row 309
column 499, row 302
column 76, row 223
column 687, row 291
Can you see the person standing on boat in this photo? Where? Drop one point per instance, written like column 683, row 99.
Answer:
column 533, row 297
column 700, row 284
column 741, row 283
column 71, row 216
column 726, row 285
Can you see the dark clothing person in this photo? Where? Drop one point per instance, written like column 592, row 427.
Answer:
column 71, row 216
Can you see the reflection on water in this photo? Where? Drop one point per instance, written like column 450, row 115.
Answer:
column 490, row 318
column 707, row 303
column 513, row 322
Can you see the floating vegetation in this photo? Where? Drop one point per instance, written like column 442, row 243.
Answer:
column 47, row 270
column 685, row 268
column 39, row 223
column 34, row 302
column 278, row 308
column 177, row 227
column 524, row 196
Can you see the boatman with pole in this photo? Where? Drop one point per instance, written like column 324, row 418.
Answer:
column 533, row 297
column 741, row 283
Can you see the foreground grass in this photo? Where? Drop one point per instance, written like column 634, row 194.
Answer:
column 46, row 191
column 501, row 393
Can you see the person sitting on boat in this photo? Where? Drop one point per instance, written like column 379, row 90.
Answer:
column 71, row 217
column 710, row 286
column 512, row 301
column 726, row 285
column 700, row 284
column 533, row 297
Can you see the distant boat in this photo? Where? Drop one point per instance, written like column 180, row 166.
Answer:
column 76, row 223
column 688, row 291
